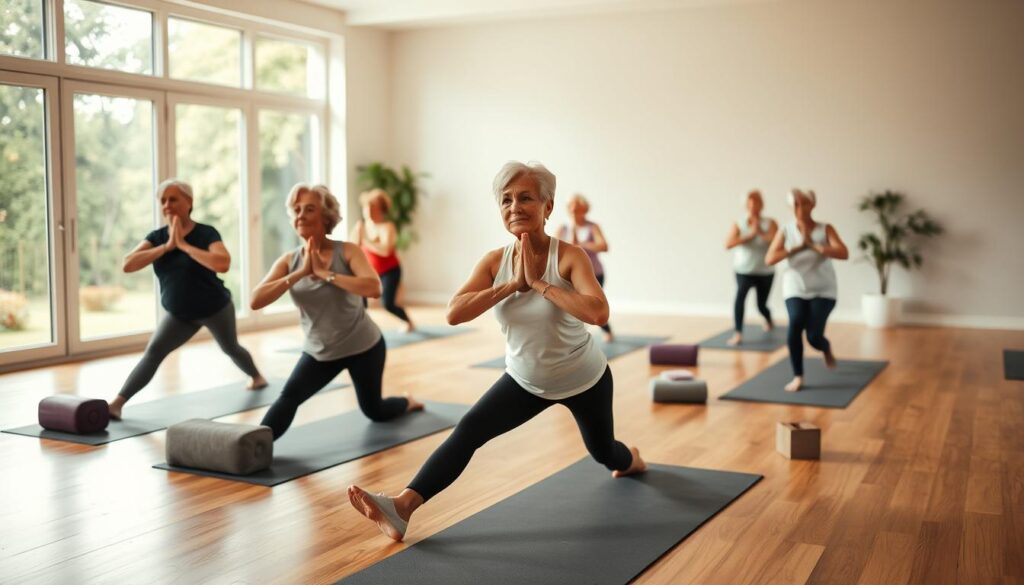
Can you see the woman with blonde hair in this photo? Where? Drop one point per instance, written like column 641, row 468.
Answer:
column 186, row 256
column 808, row 281
column 377, row 236
column 327, row 281
column 543, row 292
column 588, row 236
column 749, row 239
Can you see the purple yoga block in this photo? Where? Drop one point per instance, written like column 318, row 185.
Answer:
column 674, row 355
column 73, row 414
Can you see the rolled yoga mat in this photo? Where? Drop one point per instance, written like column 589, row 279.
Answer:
column 676, row 375
column 325, row 443
column 674, row 354
column 694, row 391
column 621, row 345
column 146, row 417
column 396, row 339
column 224, row 447
column 822, row 387
column 577, row 526
column 1013, row 364
column 73, row 414
column 755, row 338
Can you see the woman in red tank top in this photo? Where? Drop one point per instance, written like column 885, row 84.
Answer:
column 376, row 236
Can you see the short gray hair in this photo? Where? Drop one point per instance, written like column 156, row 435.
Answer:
column 513, row 169
column 180, row 185
column 330, row 208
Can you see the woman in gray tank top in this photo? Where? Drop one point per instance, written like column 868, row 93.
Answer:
column 543, row 292
column 749, row 239
column 327, row 281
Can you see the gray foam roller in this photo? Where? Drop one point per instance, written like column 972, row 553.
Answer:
column 693, row 391
column 228, row 448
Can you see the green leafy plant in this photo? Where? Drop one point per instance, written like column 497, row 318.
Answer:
column 403, row 187
column 896, row 236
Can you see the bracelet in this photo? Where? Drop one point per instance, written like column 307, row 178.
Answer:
column 545, row 291
column 287, row 280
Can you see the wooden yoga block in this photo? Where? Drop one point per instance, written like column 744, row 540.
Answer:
column 798, row 440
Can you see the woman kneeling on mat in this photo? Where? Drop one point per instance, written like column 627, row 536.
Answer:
column 542, row 293
column 376, row 236
column 808, row 281
column 748, row 239
column 588, row 236
column 186, row 256
column 327, row 281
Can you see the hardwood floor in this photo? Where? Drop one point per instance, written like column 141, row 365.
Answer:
column 921, row 478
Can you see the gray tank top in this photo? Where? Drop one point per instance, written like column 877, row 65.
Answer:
column 334, row 320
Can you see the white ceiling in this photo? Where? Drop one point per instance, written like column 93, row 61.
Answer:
column 397, row 14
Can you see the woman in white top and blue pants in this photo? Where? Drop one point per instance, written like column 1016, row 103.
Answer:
column 749, row 239
column 809, row 280
column 543, row 293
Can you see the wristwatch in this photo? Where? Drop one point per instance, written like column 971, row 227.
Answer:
column 330, row 278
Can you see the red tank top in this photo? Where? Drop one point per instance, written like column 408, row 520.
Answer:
column 381, row 264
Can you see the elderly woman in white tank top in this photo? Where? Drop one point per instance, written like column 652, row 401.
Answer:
column 543, row 293
column 808, row 281
column 748, row 240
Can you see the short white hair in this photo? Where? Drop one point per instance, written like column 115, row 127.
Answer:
column 794, row 193
column 183, row 187
column 329, row 206
column 513, row 169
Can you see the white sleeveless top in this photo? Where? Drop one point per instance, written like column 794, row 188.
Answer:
column 749, row 258
column 548, row 352
column 808, row 274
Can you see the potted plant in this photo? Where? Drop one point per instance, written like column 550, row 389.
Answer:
column 404, row 191
column 893, row 242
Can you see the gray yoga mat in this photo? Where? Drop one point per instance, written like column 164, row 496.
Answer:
column 396, row 339
column 1013, row 364
column 755, row 338
column 339, row 439
column 147, row 417
column 578, row 526
column 622, row 345
column 822, row 387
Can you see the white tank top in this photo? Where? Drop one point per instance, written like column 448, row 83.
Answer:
column 808, row 274
column 749, row 258
column 548, row 352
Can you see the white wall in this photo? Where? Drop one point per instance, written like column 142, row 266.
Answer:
column 665, row 119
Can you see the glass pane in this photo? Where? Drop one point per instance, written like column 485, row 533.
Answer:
column 107, row 36
column 114, row 178
column 287, row 157
column 209, row 154
column 21, row 28
column 282, row 66
column 25, row 310
column 203, row 52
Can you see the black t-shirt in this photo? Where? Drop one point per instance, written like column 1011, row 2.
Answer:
column 188, row 290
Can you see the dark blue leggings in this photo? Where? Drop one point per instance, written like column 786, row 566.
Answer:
column 744, row 282
column 309, row 376
column 506, row 406
column 808, row 315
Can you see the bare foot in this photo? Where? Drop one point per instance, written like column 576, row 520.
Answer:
column 414, row 404
column 390, row 522
column 608, row 337
column 637, row 466
column 768, row 325
column 407, row 327
column 114, row 406
column 795, row 385
column 257, row 383
column 735, row 340
column 830, row 360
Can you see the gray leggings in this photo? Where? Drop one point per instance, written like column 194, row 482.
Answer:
column 173, row 332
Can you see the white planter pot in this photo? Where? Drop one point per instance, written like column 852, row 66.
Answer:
column 880, row 311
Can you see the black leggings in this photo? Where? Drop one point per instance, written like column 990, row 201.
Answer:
column 389, row 283
column 807, row 315
column 173, row 332
column 506, row 406
column 744, row 282
column 309, row 376
column 607, row 328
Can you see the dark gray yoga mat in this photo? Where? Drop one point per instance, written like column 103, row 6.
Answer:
column 578, row 526
column 325, row 443
column 396, row 339
column 1013, row 364
column 822, row 387
column 147, row 417
column 755, row 338
column 622, row 345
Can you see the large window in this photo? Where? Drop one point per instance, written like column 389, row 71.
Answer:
column 126, row 94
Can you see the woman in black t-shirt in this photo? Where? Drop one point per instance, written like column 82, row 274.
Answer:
column 186, row 257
